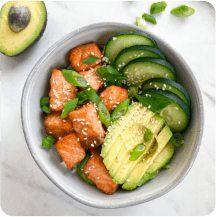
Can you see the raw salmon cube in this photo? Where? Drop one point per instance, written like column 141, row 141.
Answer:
column 82, row 52
column 112, row 96
column 70, row 149
column 87, row 125
column 60, row 91
column 96, row 171
column 57, row 127
column 92, row 78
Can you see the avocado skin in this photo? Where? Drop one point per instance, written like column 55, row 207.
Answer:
column 36, row 40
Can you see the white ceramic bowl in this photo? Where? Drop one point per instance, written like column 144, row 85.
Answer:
column 37, row 86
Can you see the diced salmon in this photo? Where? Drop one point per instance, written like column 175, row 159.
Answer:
column 92, row 78
column 70, row 149
column 60, row 91
column 57, row 127
column 82, row 52
column 87, row 125
column 112, row 96
column 96, row 171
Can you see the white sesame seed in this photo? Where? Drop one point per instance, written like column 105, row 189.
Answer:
column 179, row 122
column 114, row 38
column 92, row 145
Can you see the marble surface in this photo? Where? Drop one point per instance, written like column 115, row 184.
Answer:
column 25, row 190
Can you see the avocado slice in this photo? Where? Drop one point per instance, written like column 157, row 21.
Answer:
column 162, row 160
column 135, row 178
column 22, row 24
column 122, row 172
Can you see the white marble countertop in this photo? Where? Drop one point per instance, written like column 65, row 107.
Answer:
column 25, row 190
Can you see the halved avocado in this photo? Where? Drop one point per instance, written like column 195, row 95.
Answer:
column 21, row 25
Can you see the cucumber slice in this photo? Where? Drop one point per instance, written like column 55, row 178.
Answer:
column 134, row 52
column 139, row 70
column 170, row 106
column 124, row 40
column 166, row 84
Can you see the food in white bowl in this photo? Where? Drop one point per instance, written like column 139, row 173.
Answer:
column 116, row 114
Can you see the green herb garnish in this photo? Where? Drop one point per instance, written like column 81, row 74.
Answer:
column 148, row 135
column 46, row 109
column 133, row 90
column 137, row 152
column 107, row 73
column 48, row 141
column 104, row 114
column 158, row 7
column 177, row 139
column 149, row 18
column 182, row 11
column 90, row 60
column 141, row 22
column 45, row 101
column 68, row 107
column 74, row 78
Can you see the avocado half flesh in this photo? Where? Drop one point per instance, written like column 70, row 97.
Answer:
column 13, row 43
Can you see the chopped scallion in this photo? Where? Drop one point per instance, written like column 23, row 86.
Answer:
column 45, row 101
column 121, row 109
column 90, row 60
column 48, row 141
column 46, row 109
column 133, row 91
column 81, row 173
column 74, row 78
column 148, row 135
column 167, row 166
column 104, row 114
column 158, row 7
column 92, row 95
column 149, row 18
column 68, row 107
column 182, row 11
column 108, row 73
column 137, row 152
column 177, row 139
column 141, row 22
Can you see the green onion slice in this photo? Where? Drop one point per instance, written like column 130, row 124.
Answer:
column 68, row 107
column 141, row 22
column 92, row 95
column 167, row 166
column 104, row 114
column 81, row 173
column 158, row 7
column 148, row 135
column 133, row 90
column 177, row 139
column 137, row 152
column 48, row 141
column 46, row 109
column 149, row 18
column 121, row 109
column 108, row 73
column 90, row 60
column 74, row 78
column 82, row 95
column 182, row 11
column 45, row 101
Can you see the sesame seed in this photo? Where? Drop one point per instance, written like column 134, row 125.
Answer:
column 114, row 38
column 85, row 139
column 149, row 106
column 64, row 120
column 105, row 144
column 179, row 122
column 78, row 139
column 92, row 145
column 122, row 171
column 97, row 177
column 59, row 137
column 128, row 180
column 176, row 108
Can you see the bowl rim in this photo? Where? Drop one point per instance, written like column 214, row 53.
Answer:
column 130, row 201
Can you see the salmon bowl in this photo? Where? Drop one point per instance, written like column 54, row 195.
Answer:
column 37, row 85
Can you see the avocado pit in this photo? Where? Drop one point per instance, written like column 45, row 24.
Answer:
column 18, row 17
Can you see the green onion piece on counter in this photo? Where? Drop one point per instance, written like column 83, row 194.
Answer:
column 121, row 109
column 45, row 101
column 177, row 139
column 68, row 107
column 149, row 18
column 148, row 135
column 141, row 22
column 46, row 109
column 81, row 173
column 90, row 60
column 92, row 95
column 107, row 73
column 104, row 114
column 158, row 7
column 137, row 152
column 133, row 90
column 48, row 141
column 167, row 166
column 74, row 78
column 182, row 11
